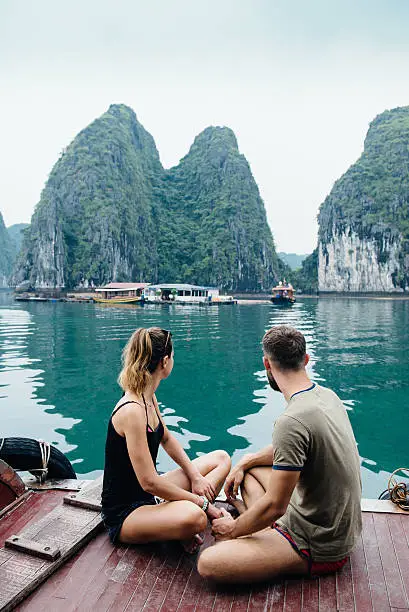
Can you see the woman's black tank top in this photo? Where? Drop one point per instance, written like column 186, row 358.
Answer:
column 121, row 486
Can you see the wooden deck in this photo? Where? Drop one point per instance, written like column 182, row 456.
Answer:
column 103, row 577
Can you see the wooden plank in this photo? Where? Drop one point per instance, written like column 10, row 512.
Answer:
column 41, row 597
column 103, row 589
column 195, row 588
column 327, row 593
column 124, row 579
column 401, row 546
column 13, row 505
column 66, row 528
column 241, row 599
column 379, row 595
column 83, row 572
column 277, row 597
column 310, row 595
column 164, row 578
column 144, row 587
column 360, row 579
column 260, row 597
column 27, row 512
column 88, row 503
column 344, row 588
column 394, row 586
column 385, row 506
column 293, row 593
column 223, row 601
column 30, row 547
column 177, row 588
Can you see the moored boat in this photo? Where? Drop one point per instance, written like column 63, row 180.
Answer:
column 120, row 293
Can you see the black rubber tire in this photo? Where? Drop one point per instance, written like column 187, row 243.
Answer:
column 25, row 454
column 385, row 495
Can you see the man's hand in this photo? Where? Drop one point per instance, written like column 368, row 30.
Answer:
column 222, row 528
column 233, row 481
column 201, row 486
column 213, row 513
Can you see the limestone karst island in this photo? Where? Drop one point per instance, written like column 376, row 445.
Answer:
column 110, row 212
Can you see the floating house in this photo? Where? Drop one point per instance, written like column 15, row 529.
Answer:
column 176, row 292
column 120, row 293
column 180, row 293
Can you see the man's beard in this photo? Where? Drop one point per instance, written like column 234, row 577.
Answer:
column 272, row 382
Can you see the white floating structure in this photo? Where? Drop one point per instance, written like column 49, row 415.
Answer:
column 180, row 293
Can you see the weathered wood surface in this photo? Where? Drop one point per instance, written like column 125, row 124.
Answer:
column 103, row 577
column 65, row 527
column 11, row 485
column 31, row 547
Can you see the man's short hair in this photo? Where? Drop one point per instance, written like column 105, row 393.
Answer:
column 285, row 346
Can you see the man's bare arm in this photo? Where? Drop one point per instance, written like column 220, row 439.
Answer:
column 263, row 457
column 264, row 512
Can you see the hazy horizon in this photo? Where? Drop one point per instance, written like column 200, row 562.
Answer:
column 297, row 82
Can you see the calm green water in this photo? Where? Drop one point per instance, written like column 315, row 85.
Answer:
column 59, row 364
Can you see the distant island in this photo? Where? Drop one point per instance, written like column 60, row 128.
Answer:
column 293, row 260
column 110, row 212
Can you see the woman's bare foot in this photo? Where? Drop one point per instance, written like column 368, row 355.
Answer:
column 192, row 545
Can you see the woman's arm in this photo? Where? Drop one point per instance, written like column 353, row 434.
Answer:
column 134, row 428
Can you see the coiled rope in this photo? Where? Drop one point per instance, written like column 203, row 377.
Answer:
column 399, row 491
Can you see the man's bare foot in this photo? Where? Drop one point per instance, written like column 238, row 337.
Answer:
column 238, row 504
column 192, row 545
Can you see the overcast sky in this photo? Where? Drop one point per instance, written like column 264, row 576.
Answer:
column 297, row 80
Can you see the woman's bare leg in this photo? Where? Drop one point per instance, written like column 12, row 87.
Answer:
column 255, row 558
column 177, row 520
column 214, row 466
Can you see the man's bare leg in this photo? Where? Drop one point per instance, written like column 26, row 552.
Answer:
column 256, row 558
column 253, row 487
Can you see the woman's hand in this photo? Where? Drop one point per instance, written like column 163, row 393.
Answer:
column 213, row 513
column 222, row 528
column 201, row 486
column 233, row 481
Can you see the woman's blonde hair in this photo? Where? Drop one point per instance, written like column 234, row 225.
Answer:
column 141, row 356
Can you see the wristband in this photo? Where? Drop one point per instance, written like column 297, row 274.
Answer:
column 205, row 503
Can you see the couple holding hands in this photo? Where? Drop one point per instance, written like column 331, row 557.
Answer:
column 299, row 511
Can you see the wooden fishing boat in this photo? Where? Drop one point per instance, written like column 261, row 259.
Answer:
column 120, row 293
column 117, row 300
column 283, row 294
column 55, row 555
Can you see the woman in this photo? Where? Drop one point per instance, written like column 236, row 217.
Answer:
column 135, row 430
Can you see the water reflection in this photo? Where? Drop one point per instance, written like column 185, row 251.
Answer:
column 60, row 362
column 23, row 412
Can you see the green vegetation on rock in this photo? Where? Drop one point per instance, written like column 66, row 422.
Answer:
column 372, row 198
column 16, row 233
column 111, row 212
column 293, row 260
column 7, row 254
column 305, row 279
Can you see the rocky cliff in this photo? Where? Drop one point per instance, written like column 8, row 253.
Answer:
column 110, row 211
column 363, row 243
column 7, row 254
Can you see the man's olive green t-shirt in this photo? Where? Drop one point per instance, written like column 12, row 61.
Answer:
column 314, row 436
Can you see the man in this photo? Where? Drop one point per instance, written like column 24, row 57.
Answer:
column 301, row 510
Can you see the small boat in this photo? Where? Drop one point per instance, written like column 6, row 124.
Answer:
column 118, row 300
column 120, row 293
column 283, row 294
